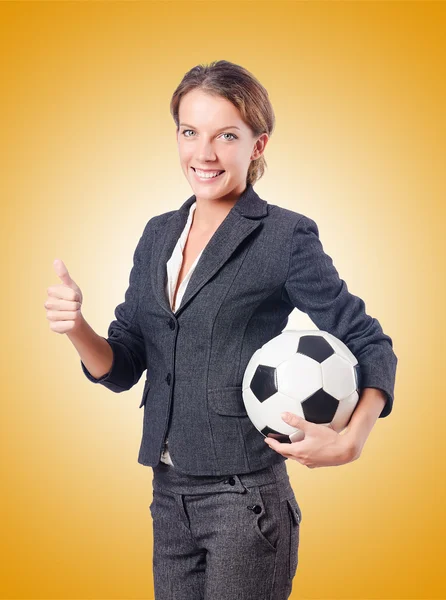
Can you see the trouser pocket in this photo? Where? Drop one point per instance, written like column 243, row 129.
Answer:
column 295, row 518
column 265, row 514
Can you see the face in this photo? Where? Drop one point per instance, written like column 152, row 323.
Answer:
column 213, row 137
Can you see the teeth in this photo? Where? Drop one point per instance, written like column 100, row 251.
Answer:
column 207, row 175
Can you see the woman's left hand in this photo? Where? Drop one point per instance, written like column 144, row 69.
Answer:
column 322, row 446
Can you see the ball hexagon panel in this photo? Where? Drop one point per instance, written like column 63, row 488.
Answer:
column 305, row 386
column 338, row 377
column 277, row 404
column 280, row 348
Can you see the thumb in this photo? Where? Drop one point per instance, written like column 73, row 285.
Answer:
column 62, row 273
column 295, row 420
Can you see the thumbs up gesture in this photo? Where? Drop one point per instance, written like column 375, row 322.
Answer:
column 64, row 302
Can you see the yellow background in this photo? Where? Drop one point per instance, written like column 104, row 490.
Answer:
column 88, row 155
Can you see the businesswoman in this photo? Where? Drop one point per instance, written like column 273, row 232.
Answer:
column 211, row 282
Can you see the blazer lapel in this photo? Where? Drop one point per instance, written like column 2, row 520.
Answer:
column 243, row 218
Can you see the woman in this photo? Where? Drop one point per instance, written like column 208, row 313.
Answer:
column 212, row 282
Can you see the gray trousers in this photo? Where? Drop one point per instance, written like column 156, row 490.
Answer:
column 224, row 538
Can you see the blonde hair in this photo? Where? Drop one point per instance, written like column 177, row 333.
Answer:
column 239, row 86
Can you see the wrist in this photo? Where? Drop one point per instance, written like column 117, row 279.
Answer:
column 365, row 415
column 352, row 444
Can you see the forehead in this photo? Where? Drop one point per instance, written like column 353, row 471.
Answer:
column 203, row 109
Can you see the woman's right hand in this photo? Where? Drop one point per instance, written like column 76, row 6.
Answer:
column 64, row 302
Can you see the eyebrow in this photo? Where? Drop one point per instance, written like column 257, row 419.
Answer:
column 221, row 129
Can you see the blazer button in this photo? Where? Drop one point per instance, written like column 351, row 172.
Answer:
column 168, row 378
column 230, row 480
column 171, row 323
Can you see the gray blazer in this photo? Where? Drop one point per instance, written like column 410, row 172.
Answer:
column 261, row 263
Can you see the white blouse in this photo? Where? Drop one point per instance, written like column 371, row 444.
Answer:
column 174, row 265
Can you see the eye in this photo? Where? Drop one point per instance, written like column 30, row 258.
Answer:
column 186, row 130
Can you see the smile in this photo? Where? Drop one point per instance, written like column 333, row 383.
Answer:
column 208, row 177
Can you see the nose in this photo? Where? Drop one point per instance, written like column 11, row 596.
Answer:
column 205, row 153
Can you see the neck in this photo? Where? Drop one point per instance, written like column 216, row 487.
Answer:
column 209, row 213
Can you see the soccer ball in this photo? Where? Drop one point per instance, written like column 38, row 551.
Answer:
column 309, row 373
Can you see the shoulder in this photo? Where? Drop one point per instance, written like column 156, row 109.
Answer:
column 154, row 222
column 299, row 222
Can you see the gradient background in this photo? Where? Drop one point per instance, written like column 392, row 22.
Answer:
column 88, row 156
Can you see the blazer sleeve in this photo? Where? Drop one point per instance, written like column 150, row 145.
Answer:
column 313, row 286
column 124, row 333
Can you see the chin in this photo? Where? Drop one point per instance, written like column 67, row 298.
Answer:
column 209, row 189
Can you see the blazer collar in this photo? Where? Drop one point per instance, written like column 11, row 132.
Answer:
column 243, row 218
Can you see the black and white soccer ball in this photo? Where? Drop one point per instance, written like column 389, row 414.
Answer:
column 309, row 373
